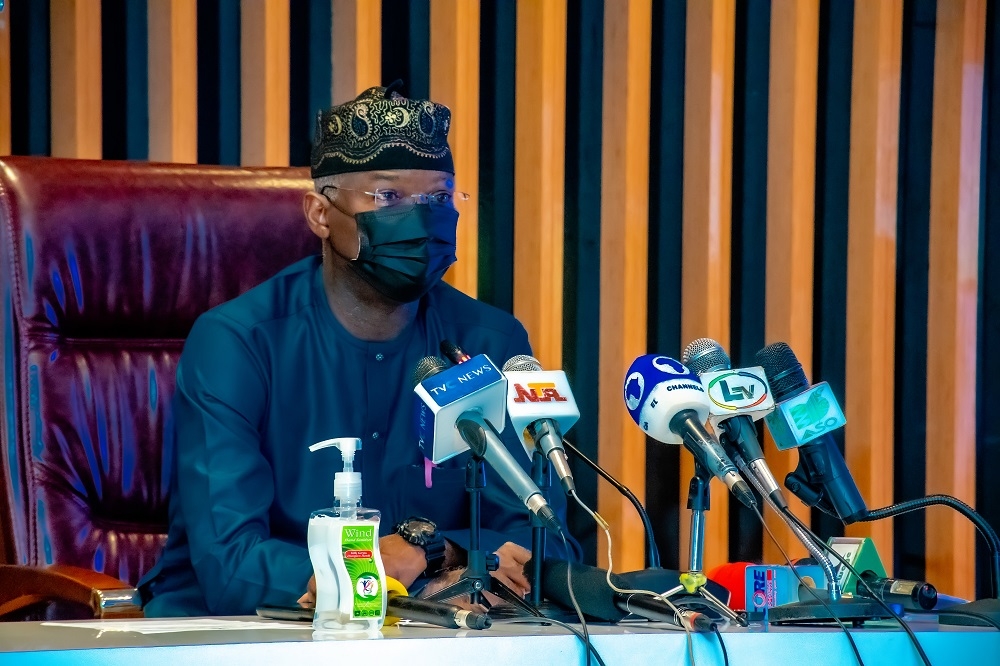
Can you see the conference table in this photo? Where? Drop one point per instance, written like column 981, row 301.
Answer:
column 250, row 640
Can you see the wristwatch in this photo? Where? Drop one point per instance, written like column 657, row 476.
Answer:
column 424, row 533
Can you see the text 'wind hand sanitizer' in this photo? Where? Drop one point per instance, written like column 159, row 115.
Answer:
column 343, row 547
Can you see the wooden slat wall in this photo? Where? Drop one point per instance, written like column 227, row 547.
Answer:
column 791, row 170
column 708, row 163
column 624, row 242
column 357, row 47
column 454, row 67
column 871, row 257
column 630, row 29
column 264, row 76
column 4, row 83
column 539, row 174
column 953, row 293
column 75, row 27
column 173, row 80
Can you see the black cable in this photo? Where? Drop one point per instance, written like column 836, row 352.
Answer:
column 722, row 644
column 964, row 613
column 652, row 552
column 558, row 623
column 992, row 540
column 876, row 597
column 576, row 607
column 812, row 591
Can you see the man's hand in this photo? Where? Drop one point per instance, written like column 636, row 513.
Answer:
column 511, row 571
column 402, row 560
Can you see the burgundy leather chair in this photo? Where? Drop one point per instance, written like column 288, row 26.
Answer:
column 105, row 267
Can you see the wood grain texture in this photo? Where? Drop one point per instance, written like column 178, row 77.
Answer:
column 357, row 47
column 5, row 82
column 953, row 288
column 173, row 80
column 75, row 48
column 264, row 74
column 454, row 65
column 708, row 165
column 624, row 251
column 791, row 170
column 871, row 261
column 539, row 174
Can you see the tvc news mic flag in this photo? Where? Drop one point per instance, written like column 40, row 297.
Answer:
column 475, row 385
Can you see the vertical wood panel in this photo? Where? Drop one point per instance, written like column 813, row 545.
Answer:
column 539, row 169
column 953, row 287
column 705, row 282
column 791, row 169
column 357, row 47
column 264, row 75
column 871, row 260
column 454, row 67
column 5, row 99
column 75, row 29
column 173, row 80
column 624, row 252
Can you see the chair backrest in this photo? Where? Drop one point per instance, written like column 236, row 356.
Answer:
column 105, row 267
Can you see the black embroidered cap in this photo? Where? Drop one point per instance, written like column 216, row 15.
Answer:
column 380, row 130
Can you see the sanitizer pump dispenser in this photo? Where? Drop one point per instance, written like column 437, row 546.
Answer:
column 343, row 547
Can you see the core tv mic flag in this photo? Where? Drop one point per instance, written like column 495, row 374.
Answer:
column 541, row 407
column 804, row 417
column 668, row 402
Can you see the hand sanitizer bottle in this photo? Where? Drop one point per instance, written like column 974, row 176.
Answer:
column 343, row 547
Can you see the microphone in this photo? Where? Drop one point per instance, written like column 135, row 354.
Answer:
column 453, row 352
column 739, row 397
column 803, row 418
column 541, row 407
column 464, row 415
column 435, row 612
column 485, row 443
column 446, row 393
column 668, row 402
column 600, row 602
column 913, row 595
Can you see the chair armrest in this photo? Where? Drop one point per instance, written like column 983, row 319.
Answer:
column 22, row 586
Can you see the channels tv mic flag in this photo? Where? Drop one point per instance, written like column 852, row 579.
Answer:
column 669, row 403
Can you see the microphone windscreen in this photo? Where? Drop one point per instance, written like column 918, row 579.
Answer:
column 784, row 372
column 705, row 355
column 590, row 587
column 427, row 367
column 522, row 363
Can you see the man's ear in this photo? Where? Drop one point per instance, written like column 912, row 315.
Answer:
column 314, row 205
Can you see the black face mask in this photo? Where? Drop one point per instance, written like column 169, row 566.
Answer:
column 406, row 250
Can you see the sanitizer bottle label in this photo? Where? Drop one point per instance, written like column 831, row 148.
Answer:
column 359, row 558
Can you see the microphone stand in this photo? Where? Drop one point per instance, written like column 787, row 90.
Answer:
column 814, row 608
column 543, row 479
column 476, row 578
column 693, row 580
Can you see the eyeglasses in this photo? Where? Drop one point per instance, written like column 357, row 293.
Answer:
column 388, row 198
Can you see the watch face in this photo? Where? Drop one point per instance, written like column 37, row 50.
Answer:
column 420, row 528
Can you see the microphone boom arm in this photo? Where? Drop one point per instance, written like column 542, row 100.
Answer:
column 652, row 552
